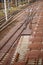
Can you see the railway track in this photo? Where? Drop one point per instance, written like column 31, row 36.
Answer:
column 14, row 21
column 11, row 17
column 8, row 44
column 3, row 20
column 11, row 42
column 12, row 38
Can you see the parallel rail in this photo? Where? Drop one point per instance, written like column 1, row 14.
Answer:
column 6, row 23
column 10, row 17
column 2, row 20
column 10, row 40
column 8, row 43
